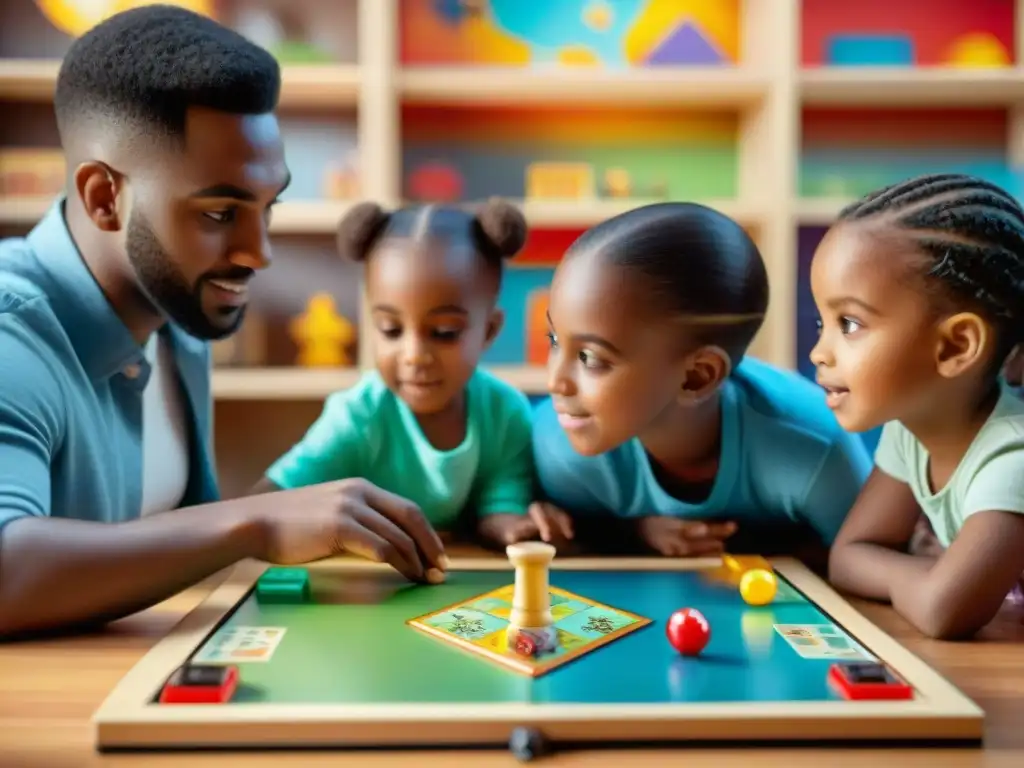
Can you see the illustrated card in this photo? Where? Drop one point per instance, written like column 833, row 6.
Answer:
column 480, row 625
column 232, row 645
column 822, row 641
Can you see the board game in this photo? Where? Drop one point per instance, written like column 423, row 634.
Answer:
column 356, row 656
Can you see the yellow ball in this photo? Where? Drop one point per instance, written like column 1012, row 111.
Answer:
column 758, row 586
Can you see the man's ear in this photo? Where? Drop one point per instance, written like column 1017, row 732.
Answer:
column 494, row 325
column 963, row 340
column 100, row 189
column 703, row 373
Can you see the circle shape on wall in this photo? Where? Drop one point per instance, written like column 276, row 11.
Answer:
column 75, row 17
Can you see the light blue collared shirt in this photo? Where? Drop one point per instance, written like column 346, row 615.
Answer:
column 71, row 386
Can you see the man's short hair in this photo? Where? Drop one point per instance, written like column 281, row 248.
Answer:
column 144, row 68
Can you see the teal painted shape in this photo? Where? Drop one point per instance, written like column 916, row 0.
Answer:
column 548, row 27
column 870, row 50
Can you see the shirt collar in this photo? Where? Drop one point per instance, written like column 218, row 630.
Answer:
column 103, row 343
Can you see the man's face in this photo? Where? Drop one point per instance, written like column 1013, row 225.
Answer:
column 199, row 222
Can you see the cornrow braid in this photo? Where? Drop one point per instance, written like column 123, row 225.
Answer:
column 973, row 231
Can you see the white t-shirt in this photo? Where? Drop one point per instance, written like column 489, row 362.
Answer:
column 164, row 432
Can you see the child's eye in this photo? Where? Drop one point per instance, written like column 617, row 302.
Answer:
column 591, row 361
column 447, row 334
column 391, row 332
column 221, row 217
column 552, row 339
column 818, row 325
column 849, row 325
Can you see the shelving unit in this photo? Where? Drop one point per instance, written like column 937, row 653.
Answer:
column 768, row 90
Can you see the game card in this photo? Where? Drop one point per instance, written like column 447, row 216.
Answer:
column 822, row 641
column 241, row 644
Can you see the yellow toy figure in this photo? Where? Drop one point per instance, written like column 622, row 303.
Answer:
column 322, row 334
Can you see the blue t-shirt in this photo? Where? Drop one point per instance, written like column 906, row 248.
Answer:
column 784, row 460
column 368, row 431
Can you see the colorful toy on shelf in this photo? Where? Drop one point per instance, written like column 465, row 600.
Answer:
column 75, row 17
column 435, row 182
column 978, row 50
column 341, row 180
column 854, row 50
column 538, row 346
column 457, row 11
column 687, row 44
column 29, row 172
column 685, row 32
column 322, row 334
column 617, row 183
column 560, row 181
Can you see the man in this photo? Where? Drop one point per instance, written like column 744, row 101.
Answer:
column 175, row 161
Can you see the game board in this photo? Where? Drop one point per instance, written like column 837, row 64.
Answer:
column 479, row 625
column 343, row 667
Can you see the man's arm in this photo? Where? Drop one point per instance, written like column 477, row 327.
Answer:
column 58, row 573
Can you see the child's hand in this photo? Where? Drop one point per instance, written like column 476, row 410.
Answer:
column 542, row 520
column 674, row 537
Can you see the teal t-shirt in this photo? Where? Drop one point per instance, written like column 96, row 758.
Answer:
column 368, row 431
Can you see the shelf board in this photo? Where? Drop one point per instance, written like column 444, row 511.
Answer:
column 818, row 211
column 572, row 214
column 30, row 80
column 911, row 87
column 323, row 86
column 497, row 86
column 326, row 86
column 287, row 383
column 313, row 217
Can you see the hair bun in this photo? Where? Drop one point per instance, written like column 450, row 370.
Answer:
column 504, row 225
column 359, row 229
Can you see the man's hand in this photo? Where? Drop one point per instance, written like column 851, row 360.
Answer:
column 318, row 521
column 542, row 520
column 675, row 537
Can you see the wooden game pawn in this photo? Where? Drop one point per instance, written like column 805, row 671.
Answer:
column 531, row 601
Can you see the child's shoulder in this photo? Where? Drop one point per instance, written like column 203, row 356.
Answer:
column 1003, row 432
column 785, row 401
column 366, row 397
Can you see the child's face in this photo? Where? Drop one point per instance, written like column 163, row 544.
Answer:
column 433, row 313
column 614, row 366
column 877, row 347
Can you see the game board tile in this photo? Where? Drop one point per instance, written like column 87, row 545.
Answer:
column 466, row 623
column 595, row 622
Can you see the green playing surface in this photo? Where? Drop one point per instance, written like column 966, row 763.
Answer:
column 350, row 643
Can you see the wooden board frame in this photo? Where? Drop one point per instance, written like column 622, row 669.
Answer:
column 128, row 718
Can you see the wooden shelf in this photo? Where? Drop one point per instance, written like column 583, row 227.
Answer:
column 286, row 383
column 300, row 217
column 327, row 86
column 905, row 87
column 572, row 214
column 818, row 211
column 30, row 80
column 662, row 86
column 319, row 87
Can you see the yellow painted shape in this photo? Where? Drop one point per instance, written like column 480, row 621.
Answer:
column 578, row 56
column 978, row 50
column 719, row 20
column 75, row 17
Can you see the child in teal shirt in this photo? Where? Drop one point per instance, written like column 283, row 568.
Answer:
column 428, row 424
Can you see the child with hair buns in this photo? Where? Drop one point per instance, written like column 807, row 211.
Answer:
column 427, row 424
column 920, row 288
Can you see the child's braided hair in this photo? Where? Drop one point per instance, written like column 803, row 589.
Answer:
column 972, row 233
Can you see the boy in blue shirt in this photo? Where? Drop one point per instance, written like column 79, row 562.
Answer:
column 658, row 432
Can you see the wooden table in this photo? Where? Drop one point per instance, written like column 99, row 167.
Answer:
column 49, row 690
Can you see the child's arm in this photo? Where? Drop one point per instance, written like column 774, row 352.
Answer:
column 331, row 449
column 964, row 588
column 869, row 554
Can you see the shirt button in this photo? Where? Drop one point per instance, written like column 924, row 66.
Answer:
column 132, row 371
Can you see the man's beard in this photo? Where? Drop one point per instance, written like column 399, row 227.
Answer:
column 168, row 290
